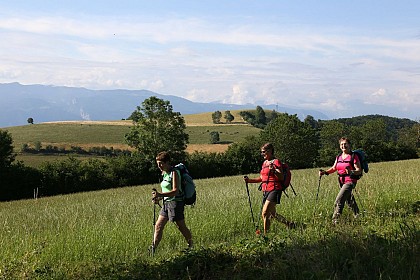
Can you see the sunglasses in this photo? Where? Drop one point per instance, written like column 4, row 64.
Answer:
column 264, row 152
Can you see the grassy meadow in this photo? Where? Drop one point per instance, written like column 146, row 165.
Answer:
column 105, row 234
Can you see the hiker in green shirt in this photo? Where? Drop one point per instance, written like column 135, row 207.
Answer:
column 173, row 204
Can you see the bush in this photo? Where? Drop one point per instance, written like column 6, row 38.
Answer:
column 18, row 182
column 244, row 157
column 208, row 165
column 6, row 149
column 214, row 137
column 37, row 146
column 129, row 170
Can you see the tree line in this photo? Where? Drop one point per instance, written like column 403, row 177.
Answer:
column 156, row 127
column 37, row 148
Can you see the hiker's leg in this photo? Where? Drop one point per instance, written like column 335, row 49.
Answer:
column 268, row 211
column 160, row 225
column 343, row 195
column 276, row 197
column 185, row 231
column 176, row 214
column 283, row 220
column 351, row 202
column 166, row 214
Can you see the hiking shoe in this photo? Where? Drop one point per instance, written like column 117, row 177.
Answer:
column 291, row 225
column 152, row 249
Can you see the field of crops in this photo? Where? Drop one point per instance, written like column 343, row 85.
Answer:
column 88, row 134
column 105, row 234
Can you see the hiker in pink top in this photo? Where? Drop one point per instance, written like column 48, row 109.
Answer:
column 347, row 166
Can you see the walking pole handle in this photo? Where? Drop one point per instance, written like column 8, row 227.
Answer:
column 154, row 198
column 323, row 171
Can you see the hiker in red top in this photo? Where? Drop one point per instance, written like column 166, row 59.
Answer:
column 347, row 165
column 270, row 179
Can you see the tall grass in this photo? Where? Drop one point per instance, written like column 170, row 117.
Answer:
column 105, row 234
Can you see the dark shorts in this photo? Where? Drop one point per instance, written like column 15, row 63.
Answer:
column 173, row 210
column 273, row 196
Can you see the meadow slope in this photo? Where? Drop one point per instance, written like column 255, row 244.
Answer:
column 105, row 234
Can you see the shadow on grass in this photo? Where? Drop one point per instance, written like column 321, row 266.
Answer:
column 224, row 142
column 340, row 255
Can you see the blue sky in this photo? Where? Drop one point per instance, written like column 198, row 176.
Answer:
column 343, row 58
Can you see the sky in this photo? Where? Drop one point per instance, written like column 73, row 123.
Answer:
column 343, row 58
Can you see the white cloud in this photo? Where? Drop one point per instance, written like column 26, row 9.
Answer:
column 198, row 95
column 379, row 93
column 332, row 105
column 205, row 60
column 402, row 97
column 156, row 85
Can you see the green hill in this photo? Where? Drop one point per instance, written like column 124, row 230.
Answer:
column 88, row 134
column 99, row 133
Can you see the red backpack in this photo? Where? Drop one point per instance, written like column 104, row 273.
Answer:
column 287, row 176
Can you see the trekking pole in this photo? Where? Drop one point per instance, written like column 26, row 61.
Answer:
column 152, row 248
column 257, row 231
column 291, row 186
column 319, row 185
column 316, row 201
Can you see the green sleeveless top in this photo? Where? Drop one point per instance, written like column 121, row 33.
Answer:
column 166, row 186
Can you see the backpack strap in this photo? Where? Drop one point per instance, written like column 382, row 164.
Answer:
column 270, row 173
column 352, row 160
column 342, row 176
column 180, row 190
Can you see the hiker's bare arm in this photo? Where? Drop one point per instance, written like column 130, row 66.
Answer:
column 277, row 170
column 357, row 169
column 255, row 180
column 175, row 186
column 330, row 170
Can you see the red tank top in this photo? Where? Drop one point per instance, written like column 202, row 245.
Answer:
column 269, row 180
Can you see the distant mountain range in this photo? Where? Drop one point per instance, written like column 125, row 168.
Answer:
column 58, row 103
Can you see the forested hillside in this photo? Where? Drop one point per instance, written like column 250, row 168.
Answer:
column 393, row 124
column 383, row 138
